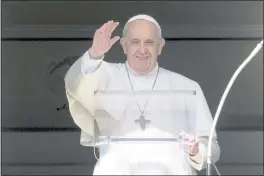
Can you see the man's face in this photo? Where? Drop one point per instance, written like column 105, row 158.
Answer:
column 142, row 45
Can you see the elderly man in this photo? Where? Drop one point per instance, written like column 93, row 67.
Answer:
column 142, row 43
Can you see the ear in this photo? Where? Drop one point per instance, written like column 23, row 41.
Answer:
column 161, row 45
column 123, row 44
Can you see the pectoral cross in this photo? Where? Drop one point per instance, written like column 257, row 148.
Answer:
column 142, row 121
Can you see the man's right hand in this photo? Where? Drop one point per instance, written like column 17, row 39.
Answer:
column 102, row 41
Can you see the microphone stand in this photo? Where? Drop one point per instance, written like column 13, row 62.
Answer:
column 209, row 152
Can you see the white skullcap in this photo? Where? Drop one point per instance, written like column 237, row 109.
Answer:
column 144, row 17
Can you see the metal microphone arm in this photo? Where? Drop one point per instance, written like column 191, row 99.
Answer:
column 209, row 151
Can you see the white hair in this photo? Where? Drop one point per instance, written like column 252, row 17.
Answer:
column 142, row 17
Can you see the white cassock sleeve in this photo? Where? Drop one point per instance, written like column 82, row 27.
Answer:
column 89, row 65
column 81, row 81
column 204, row 122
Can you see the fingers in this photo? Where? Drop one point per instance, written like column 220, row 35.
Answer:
column 114, row 40
column 191, row 138
column 103, row 28
column 186, row 135
column 193, row 143
column 113, row 27
column 108, row 27
column 102, row 41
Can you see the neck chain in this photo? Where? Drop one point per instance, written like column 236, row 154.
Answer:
column 141, row 111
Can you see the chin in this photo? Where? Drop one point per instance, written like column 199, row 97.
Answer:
column 142, row 66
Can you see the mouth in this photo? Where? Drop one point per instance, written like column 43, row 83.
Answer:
column 142, row 58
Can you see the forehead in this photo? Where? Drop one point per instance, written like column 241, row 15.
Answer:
column 142, row 29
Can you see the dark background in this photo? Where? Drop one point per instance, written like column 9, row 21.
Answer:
column 206, row 41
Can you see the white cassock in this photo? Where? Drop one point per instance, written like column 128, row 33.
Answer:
column 87, row 76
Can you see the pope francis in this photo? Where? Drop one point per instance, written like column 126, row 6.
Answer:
column 142, row 43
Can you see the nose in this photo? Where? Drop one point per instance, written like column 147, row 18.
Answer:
column 142, row 48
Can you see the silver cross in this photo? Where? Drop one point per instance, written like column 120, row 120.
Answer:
column 142, row 121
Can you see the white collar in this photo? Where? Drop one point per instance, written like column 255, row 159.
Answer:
column 134, row 73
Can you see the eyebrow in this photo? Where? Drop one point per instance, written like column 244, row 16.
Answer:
column 150, row 40
column 145, row 40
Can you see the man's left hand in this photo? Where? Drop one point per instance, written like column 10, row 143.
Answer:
column 193, row 144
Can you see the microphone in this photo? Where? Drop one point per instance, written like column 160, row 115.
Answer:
column 209, row 151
